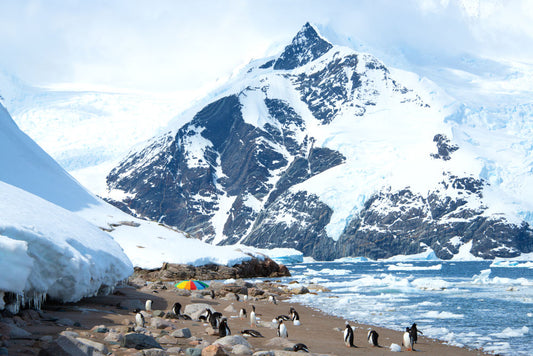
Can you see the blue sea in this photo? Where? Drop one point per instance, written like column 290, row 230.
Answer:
column 480, row 304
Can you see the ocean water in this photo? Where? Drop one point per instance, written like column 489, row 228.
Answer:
column 472, row 304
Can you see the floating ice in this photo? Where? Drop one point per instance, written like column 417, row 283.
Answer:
column 510, row 332
column 410, row 267
column 441, row 315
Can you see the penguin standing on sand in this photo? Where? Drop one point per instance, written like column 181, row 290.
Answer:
column 148, row 305
column 223, row 328
column 176, row 310
column 373, row 337
column 253, row 319
column 414, row 333
column 408, row 341
column 348, row 336
column 282, row 330
column 272, row 299
column 242, row 314
column 139, row 320
column 295, row 318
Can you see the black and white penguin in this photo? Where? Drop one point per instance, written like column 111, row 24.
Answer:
column 242, row 314
column 282, row 329
column 272, row 299
column 251, row 333
column 348, row 336
column 253, row 319
column 139, row 320
column 148, row 305
column 408, row 340
column 223, row 328
column 300, row 347
column 212, row 292
column 414, row 333
column 372, row 337
column 295, row 318
column 176, row 310
column 283, row 317
column 213, row 319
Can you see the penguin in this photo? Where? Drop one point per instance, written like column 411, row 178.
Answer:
column 212, row 292
column 148, row 305
column 282, row 330
column 348, row 336
column 372, row 337
column 300, row 347
column 251, row 333
column 223, row 328
column 237, row 298
column 283, row 317
column 242, row 314
column 245, row 298
column 408, row 340
column 414, row 333
column 139, row 320
column 272, row 299
column 295, row 318
column 213, row 319
column 176, row 309
column 253, row 319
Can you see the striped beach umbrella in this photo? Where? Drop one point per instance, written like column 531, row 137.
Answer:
column 191, row 285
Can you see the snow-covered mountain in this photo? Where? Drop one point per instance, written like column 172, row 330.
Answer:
column 329, row 151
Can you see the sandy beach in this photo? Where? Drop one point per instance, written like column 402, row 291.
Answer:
column 320, row 332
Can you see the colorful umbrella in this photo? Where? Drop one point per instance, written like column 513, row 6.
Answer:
column 191, row 285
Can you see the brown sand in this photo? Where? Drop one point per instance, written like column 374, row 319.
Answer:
column 320, row 332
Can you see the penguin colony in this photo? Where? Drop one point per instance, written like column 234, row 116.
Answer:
column 220, row 323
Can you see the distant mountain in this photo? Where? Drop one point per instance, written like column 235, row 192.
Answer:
column 328, row 151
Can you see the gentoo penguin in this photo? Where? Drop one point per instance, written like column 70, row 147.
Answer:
column 139, row 320
column 282, row 329
column 300, row 347
column 253, row 319
column 245, row 298
column 176, row 309
column 414, row 333
column 251, row 333
column 272, row 299
column 372, row 337
column 348, row 336
column 212, row 292
column 295, row 318
column 283, row 317
column 242, row 314
column 213, row 319
column 148, row 305
column 237, row 298
column 223, row 328
column 408, row 340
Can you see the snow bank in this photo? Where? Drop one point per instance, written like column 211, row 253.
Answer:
column 47, row 250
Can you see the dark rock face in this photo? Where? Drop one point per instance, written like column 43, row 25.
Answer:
column 444, row 147
column 305, row 47
column 252, row 268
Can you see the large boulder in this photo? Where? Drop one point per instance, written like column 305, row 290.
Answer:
column 194, row 310
column 139, row 342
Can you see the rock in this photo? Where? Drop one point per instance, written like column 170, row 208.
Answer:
column 214, row 350
column 69, row 333
column 66, row 345
column 114, row 337
column 154, row 352
column 254, row 292
column 100, row 329
column 263, row 353
column 211, row 332
column 197, row 295
column 395, row 348
column 241, row 350
column 174, row 350
column 15, row 332
column 131, row 304
column 299, row 290
column 280, row 343
column 19, row 322
column 139, row 341
column 318, row 288
column 194, row 310
column 3, row 351
column 182, row 333
column 230, row 309
column 183, row 292
column 167, row 339
column 47, row 338
column 192, row 351
column 233, row 340
column 65, row 322
column 160, row 323
column 158, row 313
column 127, row 322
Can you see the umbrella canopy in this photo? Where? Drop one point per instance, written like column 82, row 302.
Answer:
column 191, row 285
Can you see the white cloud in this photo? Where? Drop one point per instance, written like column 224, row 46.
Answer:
column 176, row 45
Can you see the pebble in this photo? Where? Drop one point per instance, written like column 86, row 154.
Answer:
column 191, row 351
column 213, row 350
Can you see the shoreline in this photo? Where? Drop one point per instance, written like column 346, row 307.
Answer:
column 321, row 332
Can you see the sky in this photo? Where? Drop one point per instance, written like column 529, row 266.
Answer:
column 168, row 45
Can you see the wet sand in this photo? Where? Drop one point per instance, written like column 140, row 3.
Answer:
column 320, row 332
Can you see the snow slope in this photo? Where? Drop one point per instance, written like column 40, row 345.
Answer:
column 48, row 250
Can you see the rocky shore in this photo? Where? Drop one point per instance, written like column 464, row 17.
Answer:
column 105, row 325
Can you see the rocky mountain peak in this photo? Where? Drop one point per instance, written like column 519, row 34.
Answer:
column 305, row 47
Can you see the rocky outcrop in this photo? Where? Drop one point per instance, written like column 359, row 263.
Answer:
column 248, row 269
